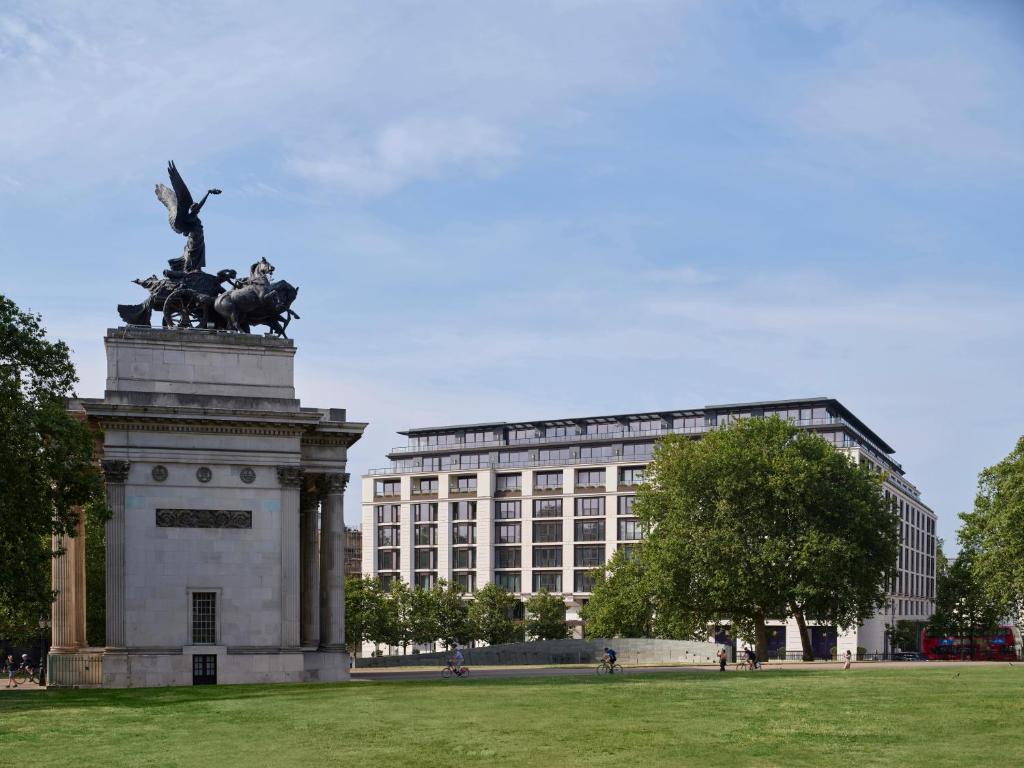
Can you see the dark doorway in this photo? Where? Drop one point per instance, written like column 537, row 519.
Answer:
column 204, row 669
column 823, row 640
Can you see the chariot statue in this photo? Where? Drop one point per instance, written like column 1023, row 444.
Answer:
column 188, row 297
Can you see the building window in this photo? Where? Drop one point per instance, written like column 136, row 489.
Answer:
column 426, row 559
column 631, row 475
column 472, row 461
column 425, row 580
column 559, row 431
column 424, row 513
column 464, row 533
column 588, row 556
column 479, row 437
column 545, row 481
column 508, row 557
column 590, row 478
column 464, row 558
column 630, row 530
column 554, row 456
column 424, row 485
column 645, row 425
column 584, row 581
column 426, row 535
column 513, row 458
column 509, row 482
column 596, row 452
column 204, row 618
column 549, row 580
column 591, row 506
column 589, row 530
column 688, row 423
column 386, row 580
column 522, row 434
column 387, row 488
column 547, row 508
column 628, row 551
column 388, row 536
column 512, row 581
column 626, row 505
column 387, row 559
column 638, row 450
column 387, row 513
column 603, row 429
column 506, row 533
column 432, row 464
column 464, row 483
column 463, row 510
column 547, row 531
column 547, row 557
column 508, row 510
column 466, row 580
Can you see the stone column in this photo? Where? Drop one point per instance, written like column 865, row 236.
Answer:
column 291, row 486
column 309, row 553
column 62, row 611
column 116, row 473
column 332, row 565
column 79, row 564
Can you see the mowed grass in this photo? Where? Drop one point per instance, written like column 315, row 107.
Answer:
column 928, row 716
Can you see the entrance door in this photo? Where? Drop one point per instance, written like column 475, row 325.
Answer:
column 204, row 669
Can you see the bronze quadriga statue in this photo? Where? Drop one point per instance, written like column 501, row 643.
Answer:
column 188, row 297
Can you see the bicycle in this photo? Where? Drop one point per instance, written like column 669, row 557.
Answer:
column 744, row 666
column 448, row 671
column 25, row 675
column 605, row 668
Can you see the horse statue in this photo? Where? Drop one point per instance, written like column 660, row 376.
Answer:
column 257, row 301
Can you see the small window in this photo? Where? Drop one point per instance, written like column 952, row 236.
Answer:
column 592, row 506
column 626, row 505
column 388, row 536
column 426, row 535
column 547, row 508
column 464, row 483
column 631, row 475
column 588, row 556
column 464, row 510
column 547, row 531
column 387, row 559
column 549, row 580
column 426, row 559
column 387, row 488
column 425, row 580
column 464, row 533
column 466, row 580
column 508, row 557
column 590, row 478
column 584, row 581
column 512, row 581
column 204, row 618
column 554, row 455
column 509, row 482
column 506, row 533
column 424, row 513
column 547, row 557
column 630, row 530
column 589, row 530
column 546, row 481
column 387, row 513
column 432, row 464
column 424, row 485
column 508, row 510
column 464, row 559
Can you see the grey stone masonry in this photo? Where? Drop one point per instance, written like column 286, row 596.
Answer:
column 211, row 549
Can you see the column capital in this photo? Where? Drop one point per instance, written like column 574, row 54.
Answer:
column 290, row 477
column 336, row 482
column 115, row 470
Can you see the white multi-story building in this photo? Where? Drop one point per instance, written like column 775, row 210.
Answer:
column 539, row 504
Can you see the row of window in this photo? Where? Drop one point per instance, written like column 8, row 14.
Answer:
column 584, row 506
column 585, row 478
column 544, row 531
column 630, row 451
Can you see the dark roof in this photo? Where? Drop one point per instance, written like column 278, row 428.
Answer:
column 839, row 408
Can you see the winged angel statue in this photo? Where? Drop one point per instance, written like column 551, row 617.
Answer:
column 183, row 214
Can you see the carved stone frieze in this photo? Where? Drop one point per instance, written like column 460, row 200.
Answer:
column 115, row 470
column 203, row 518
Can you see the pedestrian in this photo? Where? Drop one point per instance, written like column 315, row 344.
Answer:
column 849, row 658
column 11, row 668
column 721, row 659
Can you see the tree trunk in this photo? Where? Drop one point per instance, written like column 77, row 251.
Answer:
column 805, row 637
column 760, row 636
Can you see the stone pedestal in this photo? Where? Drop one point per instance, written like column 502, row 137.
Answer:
column 205, row 451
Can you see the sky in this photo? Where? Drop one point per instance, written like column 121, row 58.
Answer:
column 501, row 211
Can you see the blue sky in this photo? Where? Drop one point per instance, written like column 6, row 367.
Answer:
column 499, row 211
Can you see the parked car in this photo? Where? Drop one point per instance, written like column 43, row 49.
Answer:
column 909, row 656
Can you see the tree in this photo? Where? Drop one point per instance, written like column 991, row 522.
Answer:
column 994, row 531
column 362, row 595
column 545, row 617
column 424, row 605
column 762, row 519
column 621, row 603
column 453, row 625
column 490, row 613
column 905, row 635
column 47, row 466
column 964, row 608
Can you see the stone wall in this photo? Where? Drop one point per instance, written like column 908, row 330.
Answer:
column 629, row 650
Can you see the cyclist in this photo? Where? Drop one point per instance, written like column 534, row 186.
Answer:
column 26, row 664
column 610, row 656
column 751, row 658
column 457, row 660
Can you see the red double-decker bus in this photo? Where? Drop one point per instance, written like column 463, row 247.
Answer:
column 997, row 646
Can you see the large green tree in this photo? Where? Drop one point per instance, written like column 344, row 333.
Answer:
column 362, row 596
column 453, row 624
column 47, row 467
column 964, row 608
column 762, row 519
column 545, row 617
column 621, row 603
column 490, row 613
column 994, row 531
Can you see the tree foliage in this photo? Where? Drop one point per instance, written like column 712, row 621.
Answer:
column 964, row 608
column 762, row 519
column 490, row 615
column 545, row 617
column 994, row 532
column 621, row 603
column 453, row 624
column 47, row 467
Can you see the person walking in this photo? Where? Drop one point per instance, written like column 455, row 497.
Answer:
column 722, row 658
column 11, row 669
column 849, row 658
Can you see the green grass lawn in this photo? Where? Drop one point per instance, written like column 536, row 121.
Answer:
column 891, row 717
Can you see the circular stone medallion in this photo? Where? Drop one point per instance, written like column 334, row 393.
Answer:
column 159, row 473
column 203, row 474
column 248, row 474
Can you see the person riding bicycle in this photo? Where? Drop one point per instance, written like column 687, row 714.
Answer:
column 610, row 657
column 751, row 658
column 457, row 659
column 26, row 664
